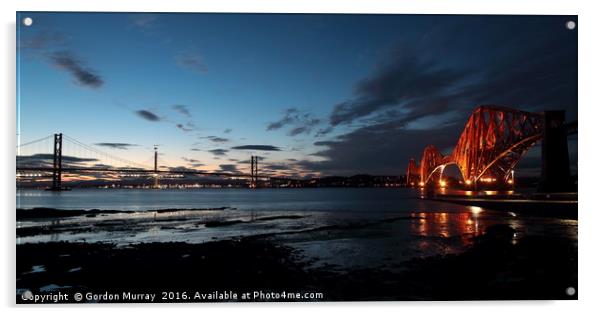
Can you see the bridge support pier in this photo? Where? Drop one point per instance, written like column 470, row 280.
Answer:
column 555, row 167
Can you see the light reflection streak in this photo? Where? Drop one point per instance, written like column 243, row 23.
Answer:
column 448, row 224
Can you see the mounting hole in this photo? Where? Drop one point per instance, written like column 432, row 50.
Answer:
column 570, row 291
column 27, row 21
column 571, row 25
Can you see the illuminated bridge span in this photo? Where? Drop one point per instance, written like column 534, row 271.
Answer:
column 492, row 143
column 59, row 156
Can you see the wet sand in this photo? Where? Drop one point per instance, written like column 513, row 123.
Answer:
column 441, row 258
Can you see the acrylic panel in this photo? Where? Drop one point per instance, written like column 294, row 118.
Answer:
column 213, row 157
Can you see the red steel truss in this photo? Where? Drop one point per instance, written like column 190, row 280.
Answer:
column 493, row 141
column 413, row 173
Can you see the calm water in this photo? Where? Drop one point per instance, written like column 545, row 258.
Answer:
column 365, row 200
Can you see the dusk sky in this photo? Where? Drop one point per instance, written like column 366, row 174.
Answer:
column 310, row 94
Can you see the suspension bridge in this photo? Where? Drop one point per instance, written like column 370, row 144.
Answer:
column 58, row 155
column 493, row 141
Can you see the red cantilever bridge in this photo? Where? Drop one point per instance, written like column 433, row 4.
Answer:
column 492, row 143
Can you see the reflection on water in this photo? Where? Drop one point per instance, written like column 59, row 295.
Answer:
column 445, row 224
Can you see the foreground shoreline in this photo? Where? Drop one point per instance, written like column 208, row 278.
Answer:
column 494, row 268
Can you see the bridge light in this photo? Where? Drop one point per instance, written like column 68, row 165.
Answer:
column 468, row 182
column 475, row 209
column 510, row 181
column 442, row 183
column 421, row 184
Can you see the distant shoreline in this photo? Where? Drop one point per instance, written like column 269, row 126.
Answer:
column 50, row 213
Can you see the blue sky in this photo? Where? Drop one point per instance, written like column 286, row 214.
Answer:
column 203, row 85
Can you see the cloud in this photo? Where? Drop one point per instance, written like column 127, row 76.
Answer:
column 195, row 149
column 324, row 131
column 302, row 123
column 52, row 47
column 218, row 152
column 195, row 163
column 229, row 168
column 276, row 167
column 183, row 109
column 116, row 145
column 216, row 139
column 407, row 81
column 42, row 41
column 190, row 160
column 191, row 61
column 377, row 149
column 257, row 147
column 446, row 73
column 289, row 117
column 45, row 160
column 154, row 117
column 148, row 115
column 83, row 76
column 185, row 128
column 227, row 131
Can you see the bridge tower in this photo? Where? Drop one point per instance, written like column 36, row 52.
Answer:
column 555, row 167
column 253, row 172
column 57, row 163
column 156, row 158
column 156, row 174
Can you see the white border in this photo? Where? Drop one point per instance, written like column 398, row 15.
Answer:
column 590, row 117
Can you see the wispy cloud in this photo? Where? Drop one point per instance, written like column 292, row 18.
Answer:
column 52, row 47
column 190, row 160
column 83, row 76
column 182, row 109
column 324, row 131
column 148, row 115
column 42, row 41
column 218, row 152
column 116, row 145
column 288, row 118
column 227, row 131
column 183, row 127
column 301, row 122
column 257, row 147
column 216, row 139
column 191, row 61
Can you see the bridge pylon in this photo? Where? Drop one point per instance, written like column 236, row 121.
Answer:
column 57, row 163
column 156, row 168
column 254, row 169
